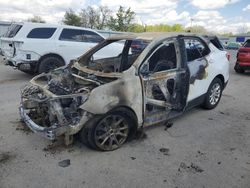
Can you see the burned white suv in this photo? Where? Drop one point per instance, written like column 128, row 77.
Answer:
column 106, row 100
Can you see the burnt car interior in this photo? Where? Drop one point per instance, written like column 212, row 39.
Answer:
column 117, row 62
column 163, row 59
column 162, row 83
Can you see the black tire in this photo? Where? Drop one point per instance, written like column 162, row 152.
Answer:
column 238, row 69
column 83, row 134
column 111, row 131
column 49, row 63
column 213, row 95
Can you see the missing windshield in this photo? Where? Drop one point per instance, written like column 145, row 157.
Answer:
column 116, row 56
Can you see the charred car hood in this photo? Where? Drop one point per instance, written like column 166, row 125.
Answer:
column 71, row 80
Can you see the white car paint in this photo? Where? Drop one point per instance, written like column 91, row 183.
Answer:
column 214, row 68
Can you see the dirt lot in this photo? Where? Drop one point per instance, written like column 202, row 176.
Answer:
column 202, row 148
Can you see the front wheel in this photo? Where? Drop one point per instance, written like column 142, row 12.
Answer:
column 110, row 131
column 213, row 94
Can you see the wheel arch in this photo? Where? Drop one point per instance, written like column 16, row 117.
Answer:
column 130, row 112
column 221, row 77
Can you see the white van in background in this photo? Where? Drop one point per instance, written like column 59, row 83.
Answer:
column 39, row 47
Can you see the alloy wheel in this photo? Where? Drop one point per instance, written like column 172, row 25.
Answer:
column 215, row 94
column 111, row 132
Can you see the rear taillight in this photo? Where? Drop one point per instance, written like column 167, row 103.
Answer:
column 228, row 56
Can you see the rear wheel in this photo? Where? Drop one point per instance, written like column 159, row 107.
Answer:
column 49, row 63
column 213, row 94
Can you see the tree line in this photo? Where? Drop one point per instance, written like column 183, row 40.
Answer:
column 103, row 18
column 122, row 20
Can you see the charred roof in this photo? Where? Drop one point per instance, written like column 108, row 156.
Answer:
column 149, row 36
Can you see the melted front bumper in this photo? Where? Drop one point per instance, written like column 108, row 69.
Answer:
column 48, row 132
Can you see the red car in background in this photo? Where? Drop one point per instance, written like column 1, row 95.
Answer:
column 243, row 58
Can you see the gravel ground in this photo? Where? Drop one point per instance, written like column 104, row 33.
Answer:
column 202, row 149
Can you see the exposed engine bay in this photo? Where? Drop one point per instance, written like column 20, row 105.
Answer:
column 53, row 100
column 48, row 111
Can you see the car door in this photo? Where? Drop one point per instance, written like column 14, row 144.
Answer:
column 197, row 53
column 165, row 82
column 73, row 43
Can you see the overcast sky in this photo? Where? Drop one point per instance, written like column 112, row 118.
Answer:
column 215, row 15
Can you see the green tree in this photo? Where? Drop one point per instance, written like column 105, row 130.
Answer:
column 122, row 21
column 36, row 19
column 71, row 18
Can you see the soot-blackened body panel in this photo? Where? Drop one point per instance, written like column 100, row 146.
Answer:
column 197, row 69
